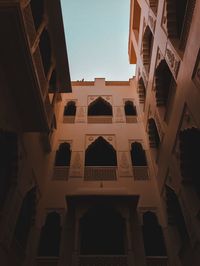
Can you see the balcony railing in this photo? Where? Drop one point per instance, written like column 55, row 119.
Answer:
column 157, row 261
column 69, row 119
column 102, row 260
column 61, row 173
column 141, row 172
column 96, row 173
column 47, row 261
column 100, row 119
column 131, row 119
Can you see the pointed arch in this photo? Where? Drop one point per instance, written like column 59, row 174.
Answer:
column 163, row 83
column 100, row 153
column 70, row 109
column 154, row 243
column 129, row 108
column 141, row 91
column 63, row 155
column 154, row 138
column 49, row 245
column 100, row 107
column 189, row 146
column 138, row 156
column 147, row 45
column 26, row 217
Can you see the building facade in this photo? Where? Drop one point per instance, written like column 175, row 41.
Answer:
column 164, row 43
column 100, row 172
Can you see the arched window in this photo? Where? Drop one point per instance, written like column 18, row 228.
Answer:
column 37, row 8
column 52, row 82
column 154, row 139
column 147, row 45
column 70, row 109
column 45, row 50
column 63, row 155
column 141, row 90
column 154, row 244
column 138, row 156
column 26, row 218
column 163, row 83
column 175, row 215
column 49, row 245
column 100, row 153
column 100, row 107
column 8, row 163
column 102, row 231
column 189, row 157
column 130, row 109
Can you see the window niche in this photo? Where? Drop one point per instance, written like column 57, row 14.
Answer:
column 130, row 112
column 69, row 112
column 147, row 46
column 139, row 161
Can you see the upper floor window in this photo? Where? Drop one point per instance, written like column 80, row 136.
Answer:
column 100, row 111
column 154, row 138
column 70, row 112
column 63, row 155
column 100, row 161
column 130, row 109
column 147, row 46
column 141, row 91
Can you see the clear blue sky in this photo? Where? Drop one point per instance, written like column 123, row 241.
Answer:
column 97, row 38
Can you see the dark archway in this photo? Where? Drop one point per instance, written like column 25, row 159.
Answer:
column 175, row 215
column 26, row 217
column 100, row 107
column 49, row 245
column 130, row 109
column 147, row 45
column 45, row 50
column 70, row 109
column 163, row 83
column 153, row 236
column 189, row 157
column 8, row 163
column 141, row 91
column 102, row 231
column 100, row 153
column 138, row 156
column 154, row 139
column 37, row 8
column 63, row 155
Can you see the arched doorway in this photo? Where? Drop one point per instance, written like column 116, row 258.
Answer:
column 130, row 112
column 139, row 161
column 49, row 245
column 141, row 91
column 102, row 232
column 62, row 162
column 100, row 160
column 189, row 140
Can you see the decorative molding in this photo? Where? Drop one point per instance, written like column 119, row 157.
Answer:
column 81, row 114
column 109, row 138
column 172, row 60
column 76, row 165
column 119, row 114
column 92, row 98
column 125, row 168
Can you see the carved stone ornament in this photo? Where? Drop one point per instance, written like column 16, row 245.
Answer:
column 172, row 60
column 76, row 169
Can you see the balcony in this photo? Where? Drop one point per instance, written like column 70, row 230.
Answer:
column 47, row 261
column 102, row 260
column 131, row 119
column 22, row 63
column 140, row 173
column 157, row 261
column 61, row 173
column 100, row 119
column 100, row 173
